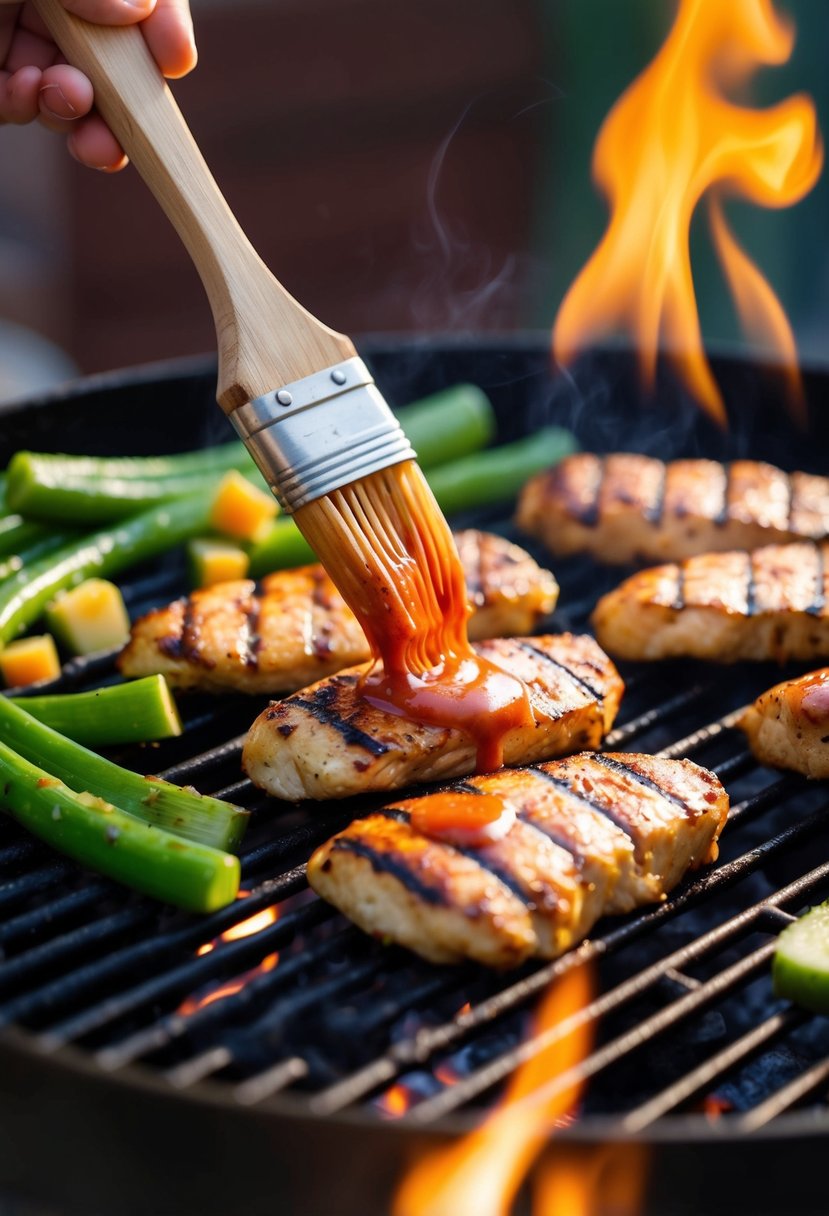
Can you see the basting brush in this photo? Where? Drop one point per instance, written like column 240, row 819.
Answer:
column 297, row 393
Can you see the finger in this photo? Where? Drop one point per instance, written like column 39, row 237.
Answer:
column 169, row 35
column 8, row 20
column 111, row 12
column 93, row 144
column 18, row 95
column 30, row 50
column 65, row 93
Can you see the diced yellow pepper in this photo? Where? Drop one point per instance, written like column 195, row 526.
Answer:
column 29, row 660
column 216, row 561
column 240, row 509
column 90, row 617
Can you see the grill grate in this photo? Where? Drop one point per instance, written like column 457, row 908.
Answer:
column 342, row 1022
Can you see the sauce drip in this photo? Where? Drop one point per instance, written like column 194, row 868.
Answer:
column 388, row 548
column 468, row 820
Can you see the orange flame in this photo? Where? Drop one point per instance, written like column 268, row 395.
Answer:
column 395, row 1101
column 671, row 137
column 581, row 1182
column 483, row 1172
column 245, row 928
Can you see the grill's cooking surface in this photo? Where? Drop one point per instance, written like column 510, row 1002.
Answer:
column 307, row 1006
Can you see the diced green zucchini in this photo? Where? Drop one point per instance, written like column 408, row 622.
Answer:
column 801, row 963
column 90, row 617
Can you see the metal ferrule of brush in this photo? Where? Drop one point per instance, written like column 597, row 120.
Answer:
column 317, row 434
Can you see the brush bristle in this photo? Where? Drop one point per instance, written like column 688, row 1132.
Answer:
column 386, row 545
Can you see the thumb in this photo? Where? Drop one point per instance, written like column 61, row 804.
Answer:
column 111, row 12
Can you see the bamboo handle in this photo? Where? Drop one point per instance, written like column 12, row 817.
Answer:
column 265, row 338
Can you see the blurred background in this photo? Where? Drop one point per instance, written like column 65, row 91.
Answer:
column 401, row 168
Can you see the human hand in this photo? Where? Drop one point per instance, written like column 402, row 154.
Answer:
column 37, row 83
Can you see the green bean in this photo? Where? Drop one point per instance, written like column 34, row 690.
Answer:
column 497, row 474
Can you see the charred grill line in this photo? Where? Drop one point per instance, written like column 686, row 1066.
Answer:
column 679, row 598
column 721, row 519
column 250, row 639
column 384, row 863
column 579, row 681
column 589, row 513
column 751, row 588
column 586, row 800
column 792, row 502
column 656, row 511
column 353, row 736
column 819, row 602
column 642, row 779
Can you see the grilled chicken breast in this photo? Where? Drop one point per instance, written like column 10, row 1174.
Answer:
column 327, row 742
column 768, row 604
column 593, row 834
column 788, row 726
column 294, row 627
column 628, row 508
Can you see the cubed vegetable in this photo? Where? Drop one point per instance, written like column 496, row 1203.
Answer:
column 801, row 962
column 29, row 660
column 215, row 561
column 240, row 509
column 90, row 617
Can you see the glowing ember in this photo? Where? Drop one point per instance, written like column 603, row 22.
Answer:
column 395, row 1101
column 482, row 1172
column 245, row 928
column 672, row 136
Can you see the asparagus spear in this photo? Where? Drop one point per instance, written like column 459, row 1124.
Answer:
column 24, row 595
column 183, row 812
column 496, row 475
column 90, row 489
column 86, row 827
column 134, row 712
column 40, row 544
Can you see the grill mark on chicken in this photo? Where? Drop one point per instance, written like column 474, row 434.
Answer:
column 721, row 519
column 618, row 766
column 250, row 640
column 655, row 512
column 568, row 671
column 679, row 598
column 320, row 710
column 751, row 588
column 588, row 513
column 792, row 503
column 819, row 602
column 390, row 863
column 186, row 643
column 579, row 796
column 313, row 763
column 522, row 895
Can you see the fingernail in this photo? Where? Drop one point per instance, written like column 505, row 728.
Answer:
column 146, row 6
column 72, row 112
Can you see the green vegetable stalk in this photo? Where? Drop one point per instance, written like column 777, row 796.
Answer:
column 181, row 811
column 25, row 594
column 134, row 712
column 97, row 834
column 90, row 489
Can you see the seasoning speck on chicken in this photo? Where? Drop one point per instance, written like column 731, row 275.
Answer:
column 593, row 834
column 294, row 627
column 768, row 604
column 788, row 726
column 628, row 508
column 328, row 742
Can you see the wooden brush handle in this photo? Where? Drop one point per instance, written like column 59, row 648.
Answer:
column 265, row 337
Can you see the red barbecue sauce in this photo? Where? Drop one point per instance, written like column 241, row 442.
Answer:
column 429, row 671
column 388, row 548
column 462, row 819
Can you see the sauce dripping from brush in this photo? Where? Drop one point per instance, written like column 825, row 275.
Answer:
column 386, row 545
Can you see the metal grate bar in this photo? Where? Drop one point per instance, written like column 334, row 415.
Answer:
column 786, row 1097
column 623, row 735
column 712, row 1070
column 704, row 735
column 185, row 772
column 72, row 987
column 266, row 1084
column 17, row 889
column 427, row 1042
